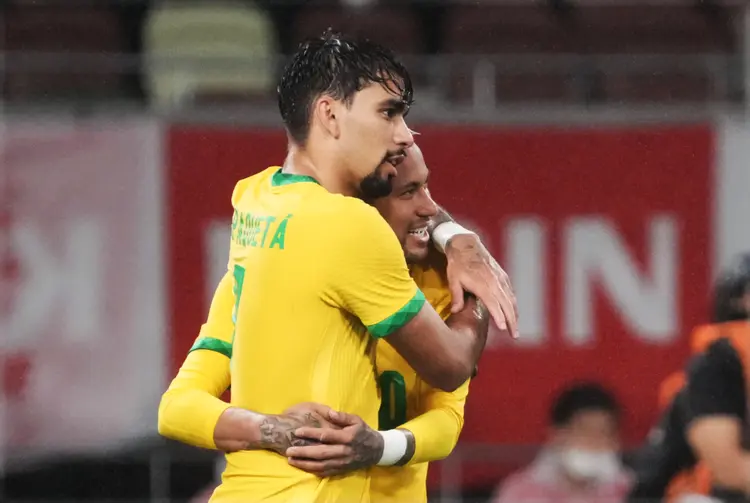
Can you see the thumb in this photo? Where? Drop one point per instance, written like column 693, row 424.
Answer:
column 342, row 419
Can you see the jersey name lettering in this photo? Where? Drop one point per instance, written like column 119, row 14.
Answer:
column 259, row 231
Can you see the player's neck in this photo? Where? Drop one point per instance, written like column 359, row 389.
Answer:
column 325, row 172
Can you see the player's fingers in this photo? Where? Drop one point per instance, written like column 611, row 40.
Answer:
column 507, row 306
column 319, row 452
column 457, row 294
column 323, row 435
column 509, row 312
column 338, row 467
column 492, row 301
column 342, row 418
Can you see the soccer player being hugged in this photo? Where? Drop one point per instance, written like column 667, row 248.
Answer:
column 425, row 421
column 317, row 277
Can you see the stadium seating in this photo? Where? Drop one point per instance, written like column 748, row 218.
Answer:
column 187, row 44
column 393, row 26
column 56, row 32
column 227, row 51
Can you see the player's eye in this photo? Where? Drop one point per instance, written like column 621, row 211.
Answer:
column 390, row 113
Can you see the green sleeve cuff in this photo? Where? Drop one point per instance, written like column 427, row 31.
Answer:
column 399, row 318
column 212, row 344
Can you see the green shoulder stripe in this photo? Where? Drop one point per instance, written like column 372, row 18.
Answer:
column 399, row 318
column 212, row 344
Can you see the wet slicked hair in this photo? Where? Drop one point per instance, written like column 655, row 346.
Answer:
column 338, row 67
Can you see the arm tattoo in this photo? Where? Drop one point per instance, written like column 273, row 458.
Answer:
column 277, row 432
column 367, row 447
column 411, row 447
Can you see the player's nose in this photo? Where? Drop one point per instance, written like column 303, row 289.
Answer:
column 427, row 207
column 403, row 136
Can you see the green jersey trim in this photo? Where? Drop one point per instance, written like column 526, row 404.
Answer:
column 399, row 318
column 280, row 178
column 212, row 344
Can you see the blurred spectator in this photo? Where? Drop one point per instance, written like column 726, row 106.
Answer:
column 580, row 462
column 675, row 460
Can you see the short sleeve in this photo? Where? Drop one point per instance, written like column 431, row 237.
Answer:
column 370, row 278
column 716, row 384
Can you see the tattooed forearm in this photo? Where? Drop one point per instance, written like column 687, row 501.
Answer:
column 411, row 447
column 367, row 447
column 277, row 432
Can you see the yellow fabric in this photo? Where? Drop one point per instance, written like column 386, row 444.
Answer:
column 191, row 407
column 307, row 266
column 433, row 416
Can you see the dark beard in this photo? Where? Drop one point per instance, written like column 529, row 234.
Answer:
column 373, row 186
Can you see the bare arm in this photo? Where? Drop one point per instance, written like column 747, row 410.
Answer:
column 717, row 442
column 715, row 404
column 472, row 269
column 430, row 436
column 241, row 430
column 435, row 432
column 444, row 355
column 192, row 411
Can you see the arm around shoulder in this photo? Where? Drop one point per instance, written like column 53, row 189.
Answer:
column 444, row 355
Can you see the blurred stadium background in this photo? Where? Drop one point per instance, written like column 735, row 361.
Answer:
column 602, row 148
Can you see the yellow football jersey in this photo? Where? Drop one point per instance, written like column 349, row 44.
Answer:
column 313, row 272
column 405, row 396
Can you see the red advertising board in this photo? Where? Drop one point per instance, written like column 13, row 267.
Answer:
column 81, row 333
column 606, row 233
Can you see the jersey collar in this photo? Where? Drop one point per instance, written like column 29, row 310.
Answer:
column 280, row 178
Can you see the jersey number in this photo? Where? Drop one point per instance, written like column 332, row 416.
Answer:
column 238, row 273
column 393, row 400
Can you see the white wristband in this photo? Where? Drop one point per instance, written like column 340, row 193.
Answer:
column 443, row 233
column 394, row 447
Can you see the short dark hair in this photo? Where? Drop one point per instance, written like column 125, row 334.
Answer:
column 579, row 398
column 731, row 285
column 339, row 67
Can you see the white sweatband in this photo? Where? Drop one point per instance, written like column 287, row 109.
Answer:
column 394, row 447
column 443, row 233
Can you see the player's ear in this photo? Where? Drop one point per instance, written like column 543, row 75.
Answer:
column 326, row 112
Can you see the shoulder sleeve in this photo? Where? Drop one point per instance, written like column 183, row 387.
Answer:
column 216, row 333
column 370, row 278
column 716, row 384
column 239, row 190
